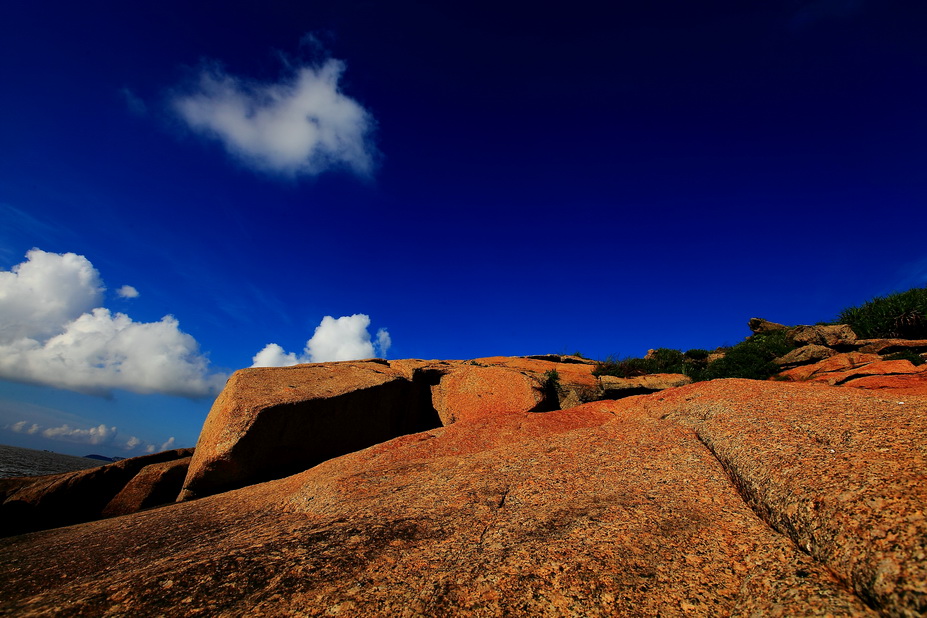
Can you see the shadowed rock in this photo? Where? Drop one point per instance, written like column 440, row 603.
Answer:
column 155, row 484
column 271, row 422
column 43, row 502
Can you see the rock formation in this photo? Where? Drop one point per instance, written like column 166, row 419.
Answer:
column 730, row 497
column 507, row 486
column 34, row 503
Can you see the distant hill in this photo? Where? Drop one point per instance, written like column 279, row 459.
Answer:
column 103, row 458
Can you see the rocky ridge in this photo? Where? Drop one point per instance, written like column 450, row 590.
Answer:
column 505, row 486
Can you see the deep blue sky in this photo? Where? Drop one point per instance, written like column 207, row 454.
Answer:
column 531, row 180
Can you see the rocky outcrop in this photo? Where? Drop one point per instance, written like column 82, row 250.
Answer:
column 855, row 369
column 616, row 388
column 759, row 325
column 831, row 335
column 805, row 354
column 36, row 503
column 154, row 485
column 730, row 497
column 271, row 422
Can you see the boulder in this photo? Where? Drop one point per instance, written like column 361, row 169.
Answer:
column 890, row 346
column 154, row 485
column 72, row 497
column 730, row 497
column 271, row 422
column 615, row 388
column 472, row 391
column 804, row 355
column 848, row 369
column 574, row 382
column 759, row 325
column 835, row 364
column 830, row 335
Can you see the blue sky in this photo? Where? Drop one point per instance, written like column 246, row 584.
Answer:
column 452, row 180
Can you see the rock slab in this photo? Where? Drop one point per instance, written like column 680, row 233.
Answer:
column 731, row 497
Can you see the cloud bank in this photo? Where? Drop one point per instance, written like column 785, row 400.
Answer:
column 344, row 338
column 301, row 125
column 54, row 332
column 101, row 435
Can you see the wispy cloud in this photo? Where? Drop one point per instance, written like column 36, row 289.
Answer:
column 301, row 125
column 97, row 435
column 344, row 338
column 54, row 332
column 135, row 104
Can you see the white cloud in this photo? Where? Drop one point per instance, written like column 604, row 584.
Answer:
column 95, row 435
column 52, row 332
column 127, row 291
column 168, row 445
column 25, row 427
column 44, row 292
column 301, row 125
column 345, row 338
column 132, row 442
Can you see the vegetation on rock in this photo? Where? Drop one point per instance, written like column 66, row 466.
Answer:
column 901, row 316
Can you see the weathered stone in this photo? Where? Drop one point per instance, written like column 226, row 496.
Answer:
column 154, row 485
column 890, row 346
column 271, row 422
column 806, row 354
column 832, row 335
column 613, row 508
column 471, row 391
column 615, row 388
column 574, row 383
column 72, row 497
column 860, row 371
column 837, row 363
column 759, row 325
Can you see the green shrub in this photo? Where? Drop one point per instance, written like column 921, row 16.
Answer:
column 661, row 360
column 751, row 358
column 902, row 315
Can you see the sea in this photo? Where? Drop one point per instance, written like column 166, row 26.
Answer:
column 18, row 461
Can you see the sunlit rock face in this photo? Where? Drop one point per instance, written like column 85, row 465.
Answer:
column 730, row 497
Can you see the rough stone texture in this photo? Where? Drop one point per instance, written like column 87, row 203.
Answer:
column 834, row 335
column 154, row 485
column 612, row 508
column 837, row 363
column 36, row 503
column 615, row 388
column 271, row 422
column 888, row 346
column 804, row 355
column 859, row 370
column 759, row 325
column 575, row 382
column 471, row 391
column 839, row 471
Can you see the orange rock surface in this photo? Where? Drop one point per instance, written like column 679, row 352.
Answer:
column 723, row 498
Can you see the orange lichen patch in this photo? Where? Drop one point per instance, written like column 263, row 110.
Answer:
column 579, row 374
column 838, row 362
column 909, row 384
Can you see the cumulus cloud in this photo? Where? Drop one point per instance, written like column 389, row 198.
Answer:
column 127, row 291
column 100, row 434
column 168, row 445
column 53, row 332
column 301, row 125
column 344, row 338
